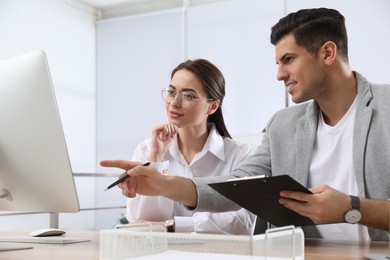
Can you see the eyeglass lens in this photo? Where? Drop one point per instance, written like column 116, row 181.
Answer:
column 185, row 98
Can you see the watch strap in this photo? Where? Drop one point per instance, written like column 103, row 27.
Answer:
column 355, row 202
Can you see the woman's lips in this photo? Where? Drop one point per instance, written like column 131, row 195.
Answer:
column 173, row 114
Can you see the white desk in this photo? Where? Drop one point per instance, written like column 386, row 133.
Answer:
column 314, row 248
column 83, row 250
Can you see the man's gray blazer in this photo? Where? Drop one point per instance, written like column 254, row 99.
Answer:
column 288, row 144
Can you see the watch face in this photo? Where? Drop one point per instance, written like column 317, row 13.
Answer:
column 169, row 224
column 353, row 216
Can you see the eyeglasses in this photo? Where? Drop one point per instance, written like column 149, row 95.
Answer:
column 186, row 99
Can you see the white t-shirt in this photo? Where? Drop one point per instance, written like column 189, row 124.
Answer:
column 218, row 157
column 332, row 164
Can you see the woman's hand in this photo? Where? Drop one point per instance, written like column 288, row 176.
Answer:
column 162, row 137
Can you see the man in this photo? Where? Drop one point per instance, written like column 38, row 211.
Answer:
column 336, row 143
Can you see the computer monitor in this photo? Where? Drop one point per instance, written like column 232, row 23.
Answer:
column 35, row 170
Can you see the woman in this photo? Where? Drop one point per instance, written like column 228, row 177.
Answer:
column 194, row 143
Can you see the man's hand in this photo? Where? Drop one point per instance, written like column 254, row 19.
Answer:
column 146, row 180
column 325, row 205
column 121, row 164
column 143, row 180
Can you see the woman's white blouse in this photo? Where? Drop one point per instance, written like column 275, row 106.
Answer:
column 218, row 157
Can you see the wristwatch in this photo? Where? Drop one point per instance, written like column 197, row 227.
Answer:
column 353, row 214
column 170, row 225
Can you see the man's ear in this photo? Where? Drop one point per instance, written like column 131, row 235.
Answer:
column 329, row 52
column 214, row 106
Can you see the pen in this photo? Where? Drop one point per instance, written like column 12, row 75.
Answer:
column 122, row 179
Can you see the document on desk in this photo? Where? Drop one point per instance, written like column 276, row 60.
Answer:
column 43, row 240
column 175, row 254
column 260, row 195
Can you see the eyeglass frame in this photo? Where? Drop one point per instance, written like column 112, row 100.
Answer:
column 181, row 94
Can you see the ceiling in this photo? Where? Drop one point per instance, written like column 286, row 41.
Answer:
column 102, row 4
column 106, row 3
column 106, row 9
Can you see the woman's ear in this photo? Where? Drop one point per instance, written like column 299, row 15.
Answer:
column 214, row 106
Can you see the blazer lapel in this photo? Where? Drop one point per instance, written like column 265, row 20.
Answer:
column 305, row 138
column 362, row 124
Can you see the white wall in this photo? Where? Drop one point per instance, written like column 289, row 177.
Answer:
column 67, row 36
column 235, row 36
column 134, row 59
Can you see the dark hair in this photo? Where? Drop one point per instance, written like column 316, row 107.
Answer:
column 214, row 85
column 311, row 28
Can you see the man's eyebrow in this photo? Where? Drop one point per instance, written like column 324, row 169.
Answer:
column 283, row 57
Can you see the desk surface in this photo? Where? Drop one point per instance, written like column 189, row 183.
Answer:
column 83, row 250
column 348, row 250
column 314, row 249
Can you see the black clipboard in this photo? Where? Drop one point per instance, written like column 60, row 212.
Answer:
column 260, row 195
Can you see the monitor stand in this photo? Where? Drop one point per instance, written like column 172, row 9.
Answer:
column 9, row 247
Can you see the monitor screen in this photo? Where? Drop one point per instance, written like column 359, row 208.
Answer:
column 35, row 171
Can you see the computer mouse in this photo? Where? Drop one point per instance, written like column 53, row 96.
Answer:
column 47, row 232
